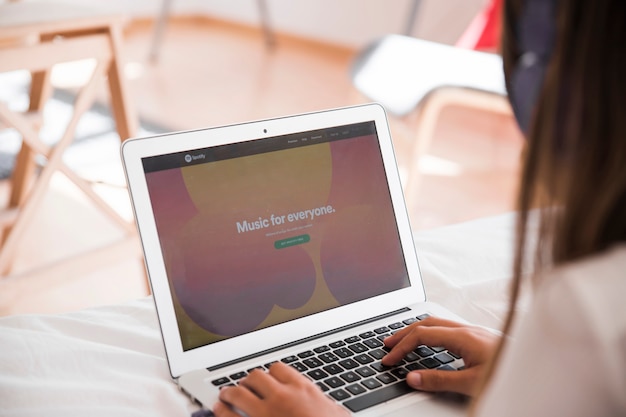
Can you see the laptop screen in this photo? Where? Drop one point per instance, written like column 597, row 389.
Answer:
column 261, row 232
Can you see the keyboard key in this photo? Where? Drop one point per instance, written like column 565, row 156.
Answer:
column 384, row 368
column 322, row 386
column 377, row 397
column 363, row 359
column 446, row 368
column 424, row 351
column 423, row 316
column 358, row 348
column 386, row 378
column 377, row 353
column 268, row 365
column 444, row 358
column 371, row 383
column 454, row 355
column 337, row 344
column 350, row 376
column 382, row 337
column 365, row 371
column 313, row 362
column 381, row 330
column 349, row 363
column 343, row 352
column 289, row 359
column 356, row 389
column 411, row 357
column 238, row 375
column 373, row 343
column 220, row 381
column 378, row 366
column 321, row 349
column 400, row 373
column 367, row 335
column 352, row 339
column 306, row 354
column 409, row 321
column 396, row 326
column 430, row 363
column 334, row 382
column 317, row 374
column 298, row 366
column 335, row 369
column 437, row 349
column 328, row 357
column 339, row 394
column 256, row 367
column 414, row 366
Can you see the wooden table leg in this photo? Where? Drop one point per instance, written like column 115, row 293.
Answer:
column 125, row 117
column 24, row 170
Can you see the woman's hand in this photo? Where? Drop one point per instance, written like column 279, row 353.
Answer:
column 474, row 344
column 281, row 391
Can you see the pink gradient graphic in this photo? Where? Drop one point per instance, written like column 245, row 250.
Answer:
column 360, row 254
column 227, row 282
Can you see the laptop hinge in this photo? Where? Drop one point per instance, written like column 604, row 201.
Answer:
column 307, row 339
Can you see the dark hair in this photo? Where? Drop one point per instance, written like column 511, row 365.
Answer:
column 574, row 169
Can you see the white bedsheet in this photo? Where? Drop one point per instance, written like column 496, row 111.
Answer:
column 110, row 361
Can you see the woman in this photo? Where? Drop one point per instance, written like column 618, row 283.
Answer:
column 565, row 65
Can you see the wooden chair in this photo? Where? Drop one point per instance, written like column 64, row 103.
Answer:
column 35, row 36
column 405, row 74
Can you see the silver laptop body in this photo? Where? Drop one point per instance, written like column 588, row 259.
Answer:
column 284, row 240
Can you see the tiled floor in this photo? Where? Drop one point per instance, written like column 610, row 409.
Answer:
column 212, row 73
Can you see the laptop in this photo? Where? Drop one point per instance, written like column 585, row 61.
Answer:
column 285, row 240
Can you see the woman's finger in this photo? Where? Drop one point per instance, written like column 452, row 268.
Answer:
column 260, row 383
column 441, row 322
column 241, row 398
column 432, row 380
column 286, row 374
column 452, row 338
column 431, row 321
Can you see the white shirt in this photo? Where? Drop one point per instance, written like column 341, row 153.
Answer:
column 568, row 355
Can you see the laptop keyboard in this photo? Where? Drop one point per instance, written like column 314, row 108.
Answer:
column 350, row 371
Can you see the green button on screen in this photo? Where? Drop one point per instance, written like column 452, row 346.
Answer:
column 291, row 241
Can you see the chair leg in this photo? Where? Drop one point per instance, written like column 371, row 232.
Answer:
column 426, row 124
column 270, row 40
column 411, row 17
column 159, row 31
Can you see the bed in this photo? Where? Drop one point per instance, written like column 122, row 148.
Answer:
column 109, row 361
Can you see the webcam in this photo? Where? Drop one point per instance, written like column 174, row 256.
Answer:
column 264, row 130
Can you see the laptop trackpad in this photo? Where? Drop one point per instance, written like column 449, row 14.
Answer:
column 439, row 405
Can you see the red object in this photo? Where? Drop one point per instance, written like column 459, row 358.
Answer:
column 483, row 33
